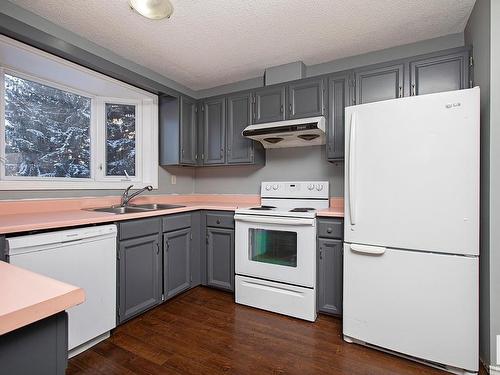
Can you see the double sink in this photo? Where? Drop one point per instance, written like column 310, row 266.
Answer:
column 129, row 209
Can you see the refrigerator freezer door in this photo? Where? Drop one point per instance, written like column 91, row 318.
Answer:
column 419, row 304
column 412, row 173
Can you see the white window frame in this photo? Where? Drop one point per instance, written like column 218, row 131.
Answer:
column 146, row 129
column 101, row 139
column 21, row 180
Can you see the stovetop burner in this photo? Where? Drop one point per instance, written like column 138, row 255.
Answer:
column 302, row 209
column 263, row 208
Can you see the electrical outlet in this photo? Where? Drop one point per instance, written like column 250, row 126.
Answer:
column 173, row 179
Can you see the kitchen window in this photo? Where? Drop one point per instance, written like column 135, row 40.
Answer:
column 47, row 131
column 56, row 136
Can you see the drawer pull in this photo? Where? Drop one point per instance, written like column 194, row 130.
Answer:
column 218, row 221
column 329, row 230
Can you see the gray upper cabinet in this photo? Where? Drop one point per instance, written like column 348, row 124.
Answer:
column 176, row 258
column 239, row 116
column 338, row 98
column 439, row 73
column 220, row 258
column 269, row 104
column 306, row 98
column 379, row 83
column 330, row 276
column 139, row 275
column 214, row 129
column 177, row 130
column 189, row 153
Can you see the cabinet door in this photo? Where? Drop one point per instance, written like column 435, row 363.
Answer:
column 220, row 258
column 214, row 129
column 239, row 115
column 2, row 248
column 269, row 104
column 138, row 276
column 441, row 73
column 338, row 99
column 330, row 276
column 188, row 131
column 306, row 98
column 176, row 267
column 201, row 133
column 383, row 83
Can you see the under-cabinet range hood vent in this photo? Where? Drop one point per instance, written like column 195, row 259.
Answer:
column 289, row 133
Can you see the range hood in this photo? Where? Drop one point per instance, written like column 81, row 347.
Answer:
column 289, row 133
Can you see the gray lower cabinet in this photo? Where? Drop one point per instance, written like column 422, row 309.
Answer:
column 330, row 276
column 39, row 348
column 306, row 98
column 240, row 150
column 439, row 73
column 189, row 151
column 220, row 258
column 2, row 248
column 214, row 130
column 378, row 83
column 139, row 276
column 269, row 104
column 338, row 99
column 176, row 262
column 330, row 265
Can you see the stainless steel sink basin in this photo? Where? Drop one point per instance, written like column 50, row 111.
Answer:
column 136, row 208
column 156, row 206
column 119, row 210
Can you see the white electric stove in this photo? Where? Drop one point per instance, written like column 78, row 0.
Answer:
column 275, row 248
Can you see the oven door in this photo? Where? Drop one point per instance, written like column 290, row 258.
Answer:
column 276, row 248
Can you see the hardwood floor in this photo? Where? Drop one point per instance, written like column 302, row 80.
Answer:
column 204, row 332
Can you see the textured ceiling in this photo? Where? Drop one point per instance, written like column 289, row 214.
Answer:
column 208, row 43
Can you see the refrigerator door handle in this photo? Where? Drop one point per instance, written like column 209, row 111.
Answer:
column 351, row 170
column 370, row 250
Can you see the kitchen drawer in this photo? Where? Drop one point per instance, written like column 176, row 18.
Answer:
column 331, row 228
column 138, row 228
column 220, row 219
column 176, row 222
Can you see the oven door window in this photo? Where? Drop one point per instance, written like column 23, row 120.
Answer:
column 273, row 247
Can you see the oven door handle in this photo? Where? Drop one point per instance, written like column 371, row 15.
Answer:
column 274, row 220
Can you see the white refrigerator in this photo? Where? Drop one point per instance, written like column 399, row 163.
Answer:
column 411, row 266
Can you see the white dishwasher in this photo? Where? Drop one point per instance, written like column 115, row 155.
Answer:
column 84, row 257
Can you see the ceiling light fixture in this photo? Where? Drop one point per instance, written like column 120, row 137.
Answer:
column 152, row 9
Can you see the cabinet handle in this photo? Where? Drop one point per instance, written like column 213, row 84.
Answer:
column 320, row 253
column 290, row 108
column 281, row 108
column 400, row 91
column 157, row 249
column 218, row 221
column 413, row 89
column 329, row 230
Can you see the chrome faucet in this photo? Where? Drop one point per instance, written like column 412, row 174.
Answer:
column 127, row 198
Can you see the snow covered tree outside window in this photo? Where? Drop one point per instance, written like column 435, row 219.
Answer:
column 120, row 139
column 47, row 131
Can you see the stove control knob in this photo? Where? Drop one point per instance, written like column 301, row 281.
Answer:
column 319, row 187
column 310, row 186
column 268, row 187
column 275, row 187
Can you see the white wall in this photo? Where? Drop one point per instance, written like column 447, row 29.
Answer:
column 495, row 182
column 300, row 163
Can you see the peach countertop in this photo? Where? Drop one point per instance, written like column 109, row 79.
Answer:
column 27, row 215
column 26, row 297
